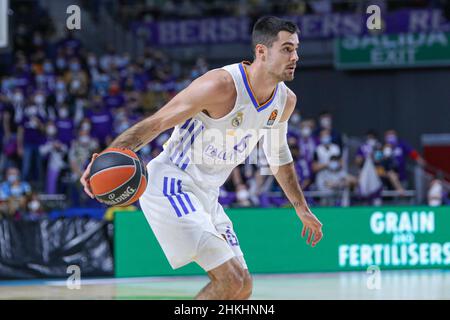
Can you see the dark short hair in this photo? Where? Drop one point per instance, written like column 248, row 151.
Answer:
column 265, row 31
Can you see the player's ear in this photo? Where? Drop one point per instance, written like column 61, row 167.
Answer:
column 260, row 51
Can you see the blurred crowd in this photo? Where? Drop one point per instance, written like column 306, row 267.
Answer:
column 380, row 164
column 150, row 10
column 59, row 103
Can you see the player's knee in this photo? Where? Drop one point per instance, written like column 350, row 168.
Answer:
column 231, row 280
column 234, row 279
column 247, row 288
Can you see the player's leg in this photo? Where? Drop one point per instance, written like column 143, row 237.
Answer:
column 247, row 287
column 224, row 226
column 227, row 281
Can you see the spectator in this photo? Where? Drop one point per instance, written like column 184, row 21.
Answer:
column 400, row 151
column 295, row 123
column 303, row 167
column 79, row 157
column 101, row 120
column 14, row 193
column 65, row 126
column 307, row 143
column 30, row 135
column 35, row 210
column 326, row 122
column 367, row 149
column 115, row 99
column 388, row 169
column 335, row 180
column 54, row 151
column 324, row 151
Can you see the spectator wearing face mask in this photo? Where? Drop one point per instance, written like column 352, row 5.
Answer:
column 334, row 179
column 367, row 149
column 30, row 135
column 324, row 151
column 401, row 151
column 326, row 122
column 306, row 142
column 295, row 123
column 64, row 124
column 54, row 151
column 101, row 121
column 14, row 193
column 303, row 167
column 388, row 169
column 79, row 156
column 123, row 120
column 35, row 210
column 76, row 78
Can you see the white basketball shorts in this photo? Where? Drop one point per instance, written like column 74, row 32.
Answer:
column 187, row 220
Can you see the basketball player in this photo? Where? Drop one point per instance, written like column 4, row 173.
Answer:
column 181, row 200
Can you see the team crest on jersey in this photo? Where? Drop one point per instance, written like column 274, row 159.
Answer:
column 237, row 121
column 272, row 117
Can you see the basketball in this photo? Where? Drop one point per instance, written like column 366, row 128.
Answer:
column 118, row 177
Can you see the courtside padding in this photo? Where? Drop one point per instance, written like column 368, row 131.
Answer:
column 355, row 239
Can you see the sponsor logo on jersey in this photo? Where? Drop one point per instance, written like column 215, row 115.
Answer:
column 237, row 121
column 272, row 117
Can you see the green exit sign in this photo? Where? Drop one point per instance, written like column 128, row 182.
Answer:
column 407, row 50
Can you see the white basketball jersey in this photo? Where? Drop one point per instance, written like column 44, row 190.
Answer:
column 209, row 149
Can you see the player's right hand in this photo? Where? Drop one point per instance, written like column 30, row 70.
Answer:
column 85, row 177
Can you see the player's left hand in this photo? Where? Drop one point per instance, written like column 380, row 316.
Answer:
column 312, row 225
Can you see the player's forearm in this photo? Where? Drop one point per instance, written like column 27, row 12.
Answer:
column 288, row 180
column 138, row 135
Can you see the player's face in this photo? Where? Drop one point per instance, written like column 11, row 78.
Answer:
column 282, row 56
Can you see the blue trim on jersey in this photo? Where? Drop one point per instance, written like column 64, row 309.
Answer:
column 189, row 144
column 185, row 164
column 186, row 135
column 174, row 206
column 184, row 126
column 172, row 192
column 186, row 196
column 244, row 77
column 248, row 87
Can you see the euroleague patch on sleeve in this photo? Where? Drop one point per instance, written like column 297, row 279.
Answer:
column 272, row 117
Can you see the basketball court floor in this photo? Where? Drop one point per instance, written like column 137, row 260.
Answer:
column 425, row 284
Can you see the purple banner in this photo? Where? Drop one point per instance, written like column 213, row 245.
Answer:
column 238, row 29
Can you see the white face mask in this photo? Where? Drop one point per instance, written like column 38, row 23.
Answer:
column 63, row 113
column 86, row 126
column 84, row 139
column 51, row 131
column 387, row 152
column 13, row 178
column 31, row 111
column 243, row 195
column 306, row 131
column 334, row 165
column 75, row 85
column 325, row 140
column 295, row 118
column 18, row 97
column 371, row 142
column 39, row 99
column 34, row 205
column 325, row 123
